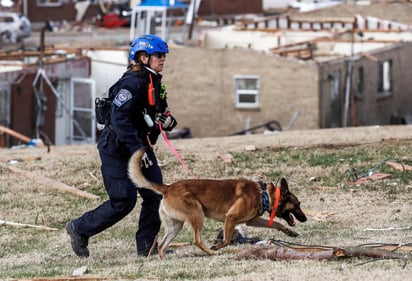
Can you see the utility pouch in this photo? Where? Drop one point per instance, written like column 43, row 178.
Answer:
column 103, row 107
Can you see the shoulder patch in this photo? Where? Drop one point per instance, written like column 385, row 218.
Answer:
column 122, row 97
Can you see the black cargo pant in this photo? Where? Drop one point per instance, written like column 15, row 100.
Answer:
column 122, row 199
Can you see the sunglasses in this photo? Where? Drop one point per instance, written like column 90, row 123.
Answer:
column 159, row 55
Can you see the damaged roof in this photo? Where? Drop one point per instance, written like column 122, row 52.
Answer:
column 324, row 34
column 398, row 12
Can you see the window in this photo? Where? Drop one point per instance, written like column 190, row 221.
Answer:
column 50, row 2
column 62, row 89
column 4, row 104
column 246, row 91
column 82, row 123
column 335, row 118
column 385, row 78
column 360, row 83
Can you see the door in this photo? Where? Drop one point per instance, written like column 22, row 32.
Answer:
column 4, row 110
column 4, row 104
column 82, row 121
column 335, row 99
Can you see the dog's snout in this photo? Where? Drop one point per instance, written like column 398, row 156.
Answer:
column 301, row 216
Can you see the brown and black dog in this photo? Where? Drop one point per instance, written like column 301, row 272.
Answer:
column 232, row 201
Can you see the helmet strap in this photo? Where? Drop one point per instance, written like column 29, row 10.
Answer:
column 140, row 62
column 147, row 64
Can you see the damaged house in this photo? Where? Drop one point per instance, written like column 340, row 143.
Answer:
column 47, row 95
column 303, row 72
column 286, row 72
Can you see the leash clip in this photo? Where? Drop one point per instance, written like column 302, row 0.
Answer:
column 147, row 119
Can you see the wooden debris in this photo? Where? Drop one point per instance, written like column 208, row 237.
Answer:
column 52, row 183
column 349, row 252
column 373, row 177
column 311, row 179
column 80, row 271
column 19, row 136
column 317, row 215
column 73, row 278
column 15, row 224
column 179, row 244
column 24, row 159
column 394, row 247
column 227, row 158
column 388, row 229
column 93, row 176
column 281, row 253
column 370, row 57
column 323, row 187
column 399, row 166
column 277, row 252
column 250, row 147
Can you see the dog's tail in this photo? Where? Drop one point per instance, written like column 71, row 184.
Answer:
column 136, row 175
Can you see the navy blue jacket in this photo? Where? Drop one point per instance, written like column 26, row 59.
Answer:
column 128, row 131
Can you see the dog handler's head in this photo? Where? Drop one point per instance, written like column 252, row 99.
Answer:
column 148, row 50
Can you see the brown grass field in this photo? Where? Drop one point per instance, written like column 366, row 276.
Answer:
column 316, row 163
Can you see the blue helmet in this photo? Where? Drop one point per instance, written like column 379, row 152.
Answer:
column 148, row 43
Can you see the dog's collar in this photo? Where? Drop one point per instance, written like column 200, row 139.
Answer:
column 265, row 198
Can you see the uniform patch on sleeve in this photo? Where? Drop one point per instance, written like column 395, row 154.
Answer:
column 122, row 97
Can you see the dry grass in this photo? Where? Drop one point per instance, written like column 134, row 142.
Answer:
column 342, row 212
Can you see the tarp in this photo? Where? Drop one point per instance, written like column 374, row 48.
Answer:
column 162, row 3
column 147, row 11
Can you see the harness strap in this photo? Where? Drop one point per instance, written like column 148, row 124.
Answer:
column 275, row 205
column 265, row 198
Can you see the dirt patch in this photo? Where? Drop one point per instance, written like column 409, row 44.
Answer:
column 299, row 138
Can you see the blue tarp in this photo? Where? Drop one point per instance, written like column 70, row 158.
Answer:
column 163, row 3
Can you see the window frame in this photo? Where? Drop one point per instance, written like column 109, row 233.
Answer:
column 239, row 92
column 385, row 78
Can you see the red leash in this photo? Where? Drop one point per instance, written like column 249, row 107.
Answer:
column 172, row 148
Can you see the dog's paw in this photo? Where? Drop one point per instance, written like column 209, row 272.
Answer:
column 215, row 248
column 291, row 233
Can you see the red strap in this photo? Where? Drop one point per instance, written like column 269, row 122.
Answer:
column 151, row 92
column 275, row 205
column 175, row 151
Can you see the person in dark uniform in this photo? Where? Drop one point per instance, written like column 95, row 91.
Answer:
column 139, row 111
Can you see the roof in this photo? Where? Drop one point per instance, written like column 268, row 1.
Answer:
column 398, row 12
column 321, row 35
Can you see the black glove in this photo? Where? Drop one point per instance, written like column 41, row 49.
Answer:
column 168, row 122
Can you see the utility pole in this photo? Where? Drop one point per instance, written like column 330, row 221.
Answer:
column 192, row 22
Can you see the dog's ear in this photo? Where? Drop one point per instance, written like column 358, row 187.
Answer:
column 284, row 186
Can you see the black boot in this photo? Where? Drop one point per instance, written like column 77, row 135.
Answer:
column 79, row 243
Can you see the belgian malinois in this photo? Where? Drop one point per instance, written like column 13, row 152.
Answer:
column 232, row 201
